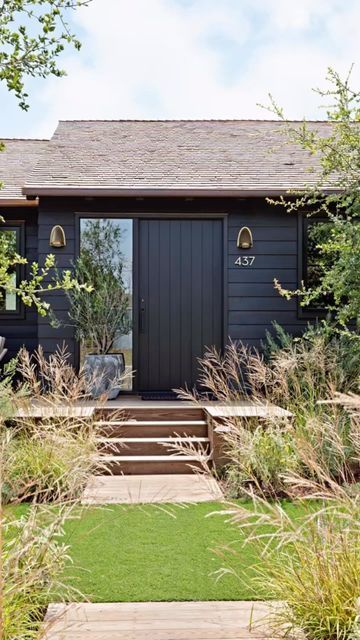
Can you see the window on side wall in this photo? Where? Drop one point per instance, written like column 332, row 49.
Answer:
column 313, row 263
column 10, row 305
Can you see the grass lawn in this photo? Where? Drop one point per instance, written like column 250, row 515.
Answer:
column 157, row 552
column 144, row 553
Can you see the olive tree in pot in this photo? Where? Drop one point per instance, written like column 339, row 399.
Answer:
column 101, row 315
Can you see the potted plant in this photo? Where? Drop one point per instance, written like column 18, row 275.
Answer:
column 102, row 314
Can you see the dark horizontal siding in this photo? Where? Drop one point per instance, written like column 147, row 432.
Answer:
column 62, row 333
column 267, row 261
column 258, row 331
column 283, row 247
column 56, row 211
column 250, row 275
column 253, row 302
column 261, row 234
column 14, row 345
column 50, row 345
column 45, row 230
column 255, row 289
column 275, row 303
column 67, row 252
column 257, row 214
column 265, row 318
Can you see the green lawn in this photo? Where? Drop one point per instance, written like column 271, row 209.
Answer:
column 145, row 553
column 139, row 553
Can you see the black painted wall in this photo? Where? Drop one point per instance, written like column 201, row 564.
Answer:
column 251, row 300
column 51, row 212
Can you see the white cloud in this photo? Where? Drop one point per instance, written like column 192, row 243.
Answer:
column 296, row 15
column 201, row 59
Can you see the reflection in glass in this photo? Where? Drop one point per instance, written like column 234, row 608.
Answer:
column 317, row 262
column 106, row 252
column 8, row 300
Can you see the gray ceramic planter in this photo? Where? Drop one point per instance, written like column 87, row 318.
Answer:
column 103, row 373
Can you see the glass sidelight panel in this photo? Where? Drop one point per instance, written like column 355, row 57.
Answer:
column 9, row 302
column 107, row 244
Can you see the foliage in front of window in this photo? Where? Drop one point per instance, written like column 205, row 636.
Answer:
column 316, row 262
column 101, row 314
column 39, row 281
column 336, row 195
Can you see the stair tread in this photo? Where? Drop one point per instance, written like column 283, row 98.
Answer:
column 155, row 439
column 168, row 458
column 148, row 423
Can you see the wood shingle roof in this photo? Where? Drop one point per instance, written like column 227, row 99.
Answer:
column 128, row 157
column 16, row 163
column 158, row 157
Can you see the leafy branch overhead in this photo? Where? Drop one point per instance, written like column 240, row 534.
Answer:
column 33, row 33
column 335, row 195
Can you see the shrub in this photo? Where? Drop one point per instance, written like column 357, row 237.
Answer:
column 51, row 458
column 51, row 379
column 311, row 563
column 33, row 559
column 301, row 371
column 297, row 374
column 39, row 461
column 51, row 461
column 260, row 456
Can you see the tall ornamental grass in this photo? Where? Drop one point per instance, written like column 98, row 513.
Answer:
column 300, row 375
column 41, row 462
column 49, row 458
column 33, row 559
column 310, row 563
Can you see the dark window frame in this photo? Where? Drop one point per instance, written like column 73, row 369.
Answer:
column 310, row 313
column 19, row 227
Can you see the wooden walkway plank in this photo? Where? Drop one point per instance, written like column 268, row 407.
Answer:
column 139, row 489
column 158, row 621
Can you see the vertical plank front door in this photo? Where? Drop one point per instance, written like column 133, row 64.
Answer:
column 181, row 299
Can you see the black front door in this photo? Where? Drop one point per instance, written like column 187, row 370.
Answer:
column 181, row 299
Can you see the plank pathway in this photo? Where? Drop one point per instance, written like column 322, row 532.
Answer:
column 151, row 489
column 158, row 621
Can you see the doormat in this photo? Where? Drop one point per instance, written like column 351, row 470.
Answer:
column 159, row 395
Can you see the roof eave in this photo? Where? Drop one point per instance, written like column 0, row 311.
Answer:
column 19, row 202
column 43, row 190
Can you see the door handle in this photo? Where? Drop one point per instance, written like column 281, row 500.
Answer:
column 142, row 315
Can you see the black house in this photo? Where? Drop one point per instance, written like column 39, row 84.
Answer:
column 201, row 244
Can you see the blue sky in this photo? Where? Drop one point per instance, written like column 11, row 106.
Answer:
column 192, row 59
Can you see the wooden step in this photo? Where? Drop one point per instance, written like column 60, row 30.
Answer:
column 152, row 428
column 149, row 446
column 145, row 465
column 185, row 412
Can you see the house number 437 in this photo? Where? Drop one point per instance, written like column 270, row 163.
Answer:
column 244, row 261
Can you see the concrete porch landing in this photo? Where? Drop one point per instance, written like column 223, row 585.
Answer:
column 158, row 621
column 144, row 489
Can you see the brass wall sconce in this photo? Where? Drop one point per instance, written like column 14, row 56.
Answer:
column 244, row 239
column 57, row 237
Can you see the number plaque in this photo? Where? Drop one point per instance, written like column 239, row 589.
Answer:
column 244, row 261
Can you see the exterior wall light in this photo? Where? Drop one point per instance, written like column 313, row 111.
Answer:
column 57, row 237
column 244, row 239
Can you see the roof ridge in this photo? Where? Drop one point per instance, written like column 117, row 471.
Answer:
column 24, row 139
column 153, row 120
